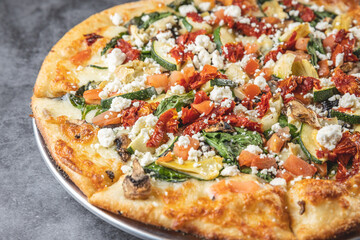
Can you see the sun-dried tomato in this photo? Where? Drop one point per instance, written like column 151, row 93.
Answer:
column 189, row 115
column 233, row 51
column 91, row 38
column 188, row 38
column 246, row 6
column 236, row 121
column 125, row 47
column 167, row 123
column 195, row 17
column 209, row 72
column 346, row 83
column 200, row 96
column 344, row 45
column 297, row 84
column 130, row 115
column 178, row 52
column 306, row 14
column 264, row 104
column 288, row 45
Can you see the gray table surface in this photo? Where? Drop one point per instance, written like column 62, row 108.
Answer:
column 33, row 205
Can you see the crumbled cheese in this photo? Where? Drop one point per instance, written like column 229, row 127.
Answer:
column 185, row 9
column 348, row 101
column 233, row 11
column 194, row 154
column 278, row 182
column 146, row 159
column 116, row 19
column 176, row 90
column 355, row 31
column 219, row 93
column 205, row 6
column 205, row 42
column 276, row 127
column 115, row 58
column 322, row 25
column 239, row 109
column 145, row 18
column 119, row 103
column 339, row 60
column 126, row 169
column 145, row 122
column 329, row 136
column 209, row 154
column 254, row 149
column 217, row 60
column 106, row 137
column 183, row 141
column 261, row 82
column 230, row 170
column 326, row 82
column 226, row 103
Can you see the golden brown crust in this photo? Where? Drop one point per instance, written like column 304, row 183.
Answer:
column 55, row 77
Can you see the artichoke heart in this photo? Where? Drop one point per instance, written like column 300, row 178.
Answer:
column 205, row 169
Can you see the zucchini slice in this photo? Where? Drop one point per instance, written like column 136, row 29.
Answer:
column 186, row 25
column 138, row 95
column 304, row 68
column 302, row 30
column 205, row 169
column 271, row 118
column 159, row 52
column 222, row 82
column 195, row 26
column 309, row 144
column 283, row 66
column 273, row 9
column 349, row 117
column 139, row 144
column 324, row 93
column 222, row 36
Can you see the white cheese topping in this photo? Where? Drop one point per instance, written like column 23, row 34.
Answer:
column 230, row 170
column 205, row 6
column 339, row 60
column 106, row 137
column 185, row 9
column 183, row 141
column 261, row 82
column 233, row 11
column 176, row 90
column 329, row 136
column 254, row 149
column 239, row 109
column 194, row 155
column 114, row 59
column 116, row 19
column 119, row 103
column 348, row 101
column 219, row 93
column 278, row 182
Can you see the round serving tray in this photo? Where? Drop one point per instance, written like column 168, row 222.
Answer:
column 135, row 228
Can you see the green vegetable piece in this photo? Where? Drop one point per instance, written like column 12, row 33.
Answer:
column 187, row 25
column 79, row 102
column 315, row 44
column 153, row 17
column 113, row 42
column 98, row 67
column 357, row 52
column 284, row 123
column 166, row 174
column 229, row 146
column 176, row 101
column 222, row 82
column 138, row 95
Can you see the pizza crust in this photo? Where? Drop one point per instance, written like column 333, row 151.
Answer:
column 271, row 213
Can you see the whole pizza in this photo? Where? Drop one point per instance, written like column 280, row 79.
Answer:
column 229, row 119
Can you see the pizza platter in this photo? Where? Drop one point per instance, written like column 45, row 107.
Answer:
column 130, row 226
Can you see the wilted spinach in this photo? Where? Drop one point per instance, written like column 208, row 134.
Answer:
column 176, row 101
column 283, row 121
column 267, row 177
column 113, row 42
column 230, row 145
column 166, row 174
column 177, row 3
column 146, row 19
column 315, row 44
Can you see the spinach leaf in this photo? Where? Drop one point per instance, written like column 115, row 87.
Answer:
column 315, row 44
column 89, row 85
column 113, row 42
column 324, row 14
column 149, row 18
column 284, row 123
column 177, row 3
column 229, row 145
column 98, row 67
column 176, row 101
column 261, row 2
column 165, row 174
column 267, row 177
column 79, row 102
column 357, row 52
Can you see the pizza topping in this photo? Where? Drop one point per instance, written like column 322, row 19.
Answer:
column 91, row 38
column 137, row 185
column 304, row 114
column 115, row 58
column 329, row 136
column 122, row 143
column 106, row 137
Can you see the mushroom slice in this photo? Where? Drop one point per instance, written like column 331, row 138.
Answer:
column 220, row 127
column 303, row 114
column 121, row 145
column 137, row 185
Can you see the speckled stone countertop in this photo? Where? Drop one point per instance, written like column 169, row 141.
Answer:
column 33, row 205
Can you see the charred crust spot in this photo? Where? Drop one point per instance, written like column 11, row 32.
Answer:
column 77, row 136
column 110, row 174
column 119, row 212
column 302, row 207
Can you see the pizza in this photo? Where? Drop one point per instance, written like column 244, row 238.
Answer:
column 229, row 119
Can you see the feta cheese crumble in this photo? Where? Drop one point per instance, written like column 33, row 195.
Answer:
column 329, row 136
column 185, row 9
column 219, row 93
column 116, row 19
column 119, row 103
column 106, row 137
column 114, row 59
column 348, row 101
